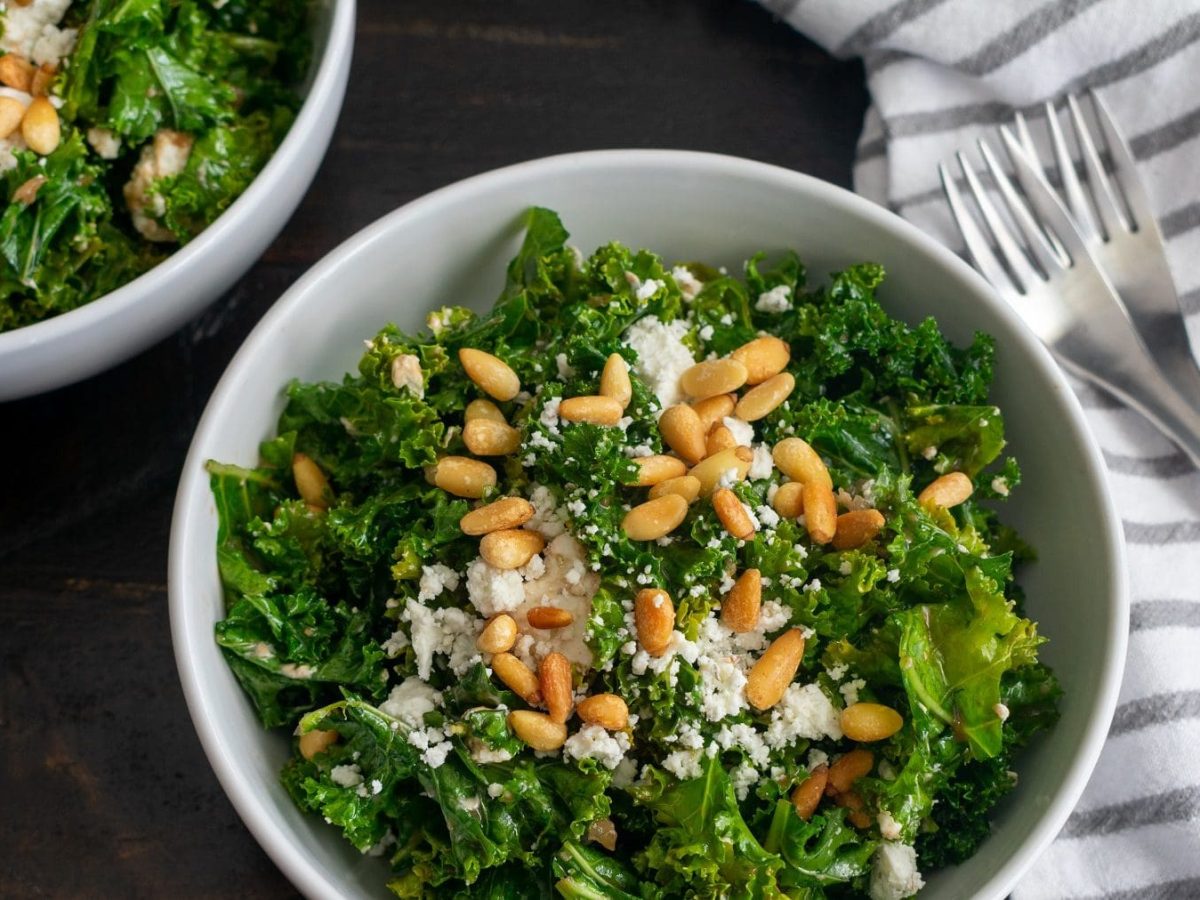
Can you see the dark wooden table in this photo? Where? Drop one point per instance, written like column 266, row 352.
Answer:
column 104, row 790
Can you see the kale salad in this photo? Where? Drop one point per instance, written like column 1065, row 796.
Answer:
column 126, row 128
column 653, row 581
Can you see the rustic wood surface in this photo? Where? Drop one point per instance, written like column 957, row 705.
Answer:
column 104, row 790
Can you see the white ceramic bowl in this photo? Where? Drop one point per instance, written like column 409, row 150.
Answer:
column 112, row 328
column 452, row 246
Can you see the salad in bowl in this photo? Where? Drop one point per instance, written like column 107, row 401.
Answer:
column 654, row 581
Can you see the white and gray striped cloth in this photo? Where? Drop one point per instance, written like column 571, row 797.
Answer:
column 942, row 73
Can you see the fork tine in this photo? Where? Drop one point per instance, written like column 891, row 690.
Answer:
column 1013, row 256
column 1046, row 204
column 1073, row 191
column 977, row 245
column 1110, row 214
column 1045, row 253
column 1137, row 203
column 1022, row 143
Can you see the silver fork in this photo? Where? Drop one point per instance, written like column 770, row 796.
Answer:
column 1123, row 238
column 1065, row 299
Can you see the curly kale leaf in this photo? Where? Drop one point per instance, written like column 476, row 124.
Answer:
column 825, row 850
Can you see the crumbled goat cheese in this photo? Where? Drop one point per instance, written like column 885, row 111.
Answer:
column 565, row 370
column 743, row 777
column 561, row 579
column 1000, row 485
column 495, row 791
column 888, row 826
column 893, row 575
column 743, row 431
column 1001, row 712
column 705, row 333
column 775, row 300
column 548, row 519
column 433, row 744
column 766, row 516
column 166, row 155
column 482, row 753
column 647, row 289
column 406, row 373
column 450, row 631
column 762, row 465
column 410, row 700
column 689, row 285
column 300, row 672
column 930, row 452
column 662, row 357
column 104, row 142
column 816, row 757
column 593, row 742
column 346, row 776
column 804, row 712
column 435, row 579
column 30, row 30
column 894, row 873
column 624, row 774
column 849, row 690
column 494, row 590
column 683, row 764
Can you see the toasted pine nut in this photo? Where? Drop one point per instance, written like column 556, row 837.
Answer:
column 608, row 711
column 868, row 722
column 311, row 483
column 554, row 679
column 28, row 191
column 43, row 77
column 949, row 490
column 774, row 670
column 614, row 380
column 463, row 476
column 537, row 730
column 763, row 357
column 655, row 469
column 594, row 409
column 40, row 127
column 654, row 619
column 655, row 518
column 732, row 514
column 510, row 548
column 484, row 409
column 16, row 72
column 604, row 833
column 686, row 486
column 507, row 512
column 712, row 377
column 549, row 617
column 856, row 527
column 714, row 409
column 807, row 795
column 484, row 437
column 740, row 608
column 858, row 815
column 820, row 512
column 796, row 459
column 12, row 111
column 710, row 470
column 518, row 677
column 498, row 635
column 681, row 429
column 316, row 741
column 789, row 499
column 763, row 399
column 493, row 375
column 847, row 769
column 719, row 438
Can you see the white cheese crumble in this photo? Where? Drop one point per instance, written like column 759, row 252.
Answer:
column 894, row 873
column 434, row 580
column 888, row 826
column 776, row 300
column 762, row 465
column 804, row 712
column 743, row 431
column 662, row 357
column 406, row 373
column 930, row 452
column 1000, row 485
column 410, row 700
column 494, row 590
column 561, row 578
column 167, row 154
column 346, row 776
column 104, row 142
column 1001, row 712
column 647, row 289
column 593, row 742
column 689, row 285
column 849, row 690
column 450, row 631
column 549, row 520
column 30, row 30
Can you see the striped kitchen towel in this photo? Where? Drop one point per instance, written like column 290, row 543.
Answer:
column 942, row 73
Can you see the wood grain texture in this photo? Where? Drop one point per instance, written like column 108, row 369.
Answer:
column 105, row 790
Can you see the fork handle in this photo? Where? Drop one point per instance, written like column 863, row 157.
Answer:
column 1139, row 383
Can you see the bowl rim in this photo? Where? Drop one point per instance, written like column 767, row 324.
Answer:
column 323, row 92
column 288, row 857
